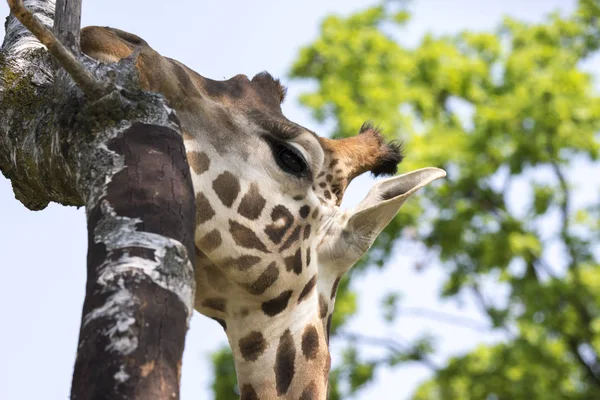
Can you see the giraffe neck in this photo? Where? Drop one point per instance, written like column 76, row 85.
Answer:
column 286, row 358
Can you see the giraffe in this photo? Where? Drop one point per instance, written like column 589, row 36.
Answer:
column 271, row 240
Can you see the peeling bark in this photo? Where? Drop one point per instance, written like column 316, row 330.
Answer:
column 140, row 280
column 122, row 156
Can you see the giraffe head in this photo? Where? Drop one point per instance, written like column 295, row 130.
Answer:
column 271, row 240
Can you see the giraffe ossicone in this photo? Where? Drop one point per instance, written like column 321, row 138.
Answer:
column 271, row 241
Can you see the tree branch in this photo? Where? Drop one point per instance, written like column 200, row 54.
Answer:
column 391, row 345
column 580, row 306
column 564, row 212
column 545, row 267
column 67, row 23
column 438, row 316
column 81, row 75
column 480, row 298
column 485, row 307
column 574, row 346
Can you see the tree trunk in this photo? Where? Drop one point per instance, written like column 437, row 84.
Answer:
column 122, row 156
column 139, row 290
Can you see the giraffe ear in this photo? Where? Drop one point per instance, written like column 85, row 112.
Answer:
column 382, row 203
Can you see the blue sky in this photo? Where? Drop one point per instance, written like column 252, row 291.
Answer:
column 42, row 254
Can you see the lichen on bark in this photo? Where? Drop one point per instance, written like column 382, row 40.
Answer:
column 46, row 134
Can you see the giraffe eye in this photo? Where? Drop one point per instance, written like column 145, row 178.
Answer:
column 289, row 159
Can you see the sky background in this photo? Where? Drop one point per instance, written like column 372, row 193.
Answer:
column 42, row 254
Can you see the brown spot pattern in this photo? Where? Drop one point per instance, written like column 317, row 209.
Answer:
column 292, row 238
column 336, row 188
column 199, row 161
column 334, row 287
column 323, row 306
column 294, row 262
column 326, row 369
column 218, row 304
column 245, row 237
column 278, row 304
column 227, row 187
column 242, row 263
column 329, row 327
column 308, row 288
column 310, row 342
column 248, row 393
column 309, row 392
column 252, row 203
column 304, row 211
column 276, row 232
column 215, row 277
column 315, row 214
column 265, row 280
column 307, row 257
column 307, row 230
column 210, row 241
column 252, row 346
column 327, row 194
column 204, row 211
column 284, row 363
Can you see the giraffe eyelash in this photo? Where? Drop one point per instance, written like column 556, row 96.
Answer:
column 288, row 158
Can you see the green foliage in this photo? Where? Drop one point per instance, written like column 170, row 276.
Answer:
column 495, row 109
column 225, row 382
column 390, row 306
column 508, row 371
column 492, row 108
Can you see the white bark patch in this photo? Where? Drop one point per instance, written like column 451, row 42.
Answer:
column 121, row 376
column 119, row 307
column 117, row 232
column 19, row 43
column 104, row 164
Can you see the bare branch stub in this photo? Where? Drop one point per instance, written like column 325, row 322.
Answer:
column 67, row 23
column 81, row 75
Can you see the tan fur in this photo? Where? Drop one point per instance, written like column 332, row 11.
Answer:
column 357, row 154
